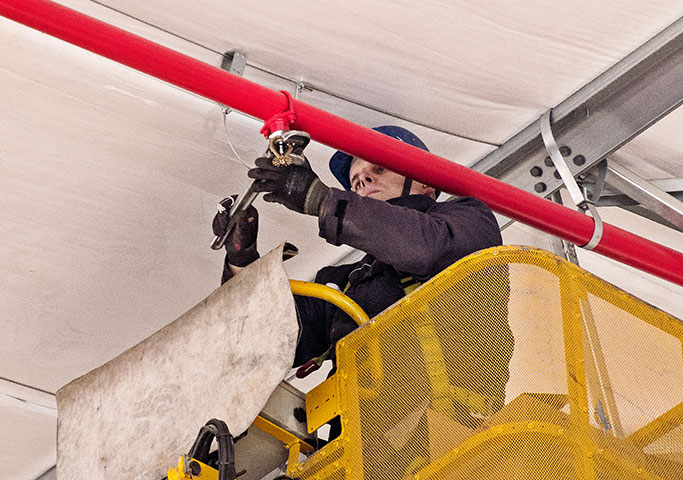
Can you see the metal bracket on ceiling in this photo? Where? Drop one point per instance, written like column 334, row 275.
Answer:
column 233, row 62
column 301, row 87
column 593, row 181
column 580, row 200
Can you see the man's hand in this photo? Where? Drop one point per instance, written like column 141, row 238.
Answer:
column 241, row 243
column 296, row 187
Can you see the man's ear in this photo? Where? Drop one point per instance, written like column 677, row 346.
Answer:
column 427, row 190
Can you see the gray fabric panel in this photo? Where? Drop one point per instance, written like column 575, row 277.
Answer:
column 132, row 417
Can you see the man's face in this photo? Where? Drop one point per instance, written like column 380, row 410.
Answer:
column 369, row 180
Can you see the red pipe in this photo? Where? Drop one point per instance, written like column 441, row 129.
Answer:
column 248, row 97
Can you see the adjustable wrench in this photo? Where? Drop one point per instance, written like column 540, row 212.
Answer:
column 284, row 148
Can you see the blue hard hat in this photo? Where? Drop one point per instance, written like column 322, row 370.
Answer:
column 340, row 163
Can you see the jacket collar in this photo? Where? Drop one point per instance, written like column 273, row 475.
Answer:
column 420, row 203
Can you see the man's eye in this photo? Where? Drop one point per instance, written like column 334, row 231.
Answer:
column 379, row 169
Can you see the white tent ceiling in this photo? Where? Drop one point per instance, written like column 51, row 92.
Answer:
column 109, row 178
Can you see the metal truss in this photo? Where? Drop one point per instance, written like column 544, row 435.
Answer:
column 599, row 119
column 658, row 200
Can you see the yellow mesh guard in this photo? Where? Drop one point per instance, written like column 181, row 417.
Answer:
column 595, row 388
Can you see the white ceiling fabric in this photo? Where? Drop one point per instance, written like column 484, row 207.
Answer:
column 492, row 66
column 27, row 422
column 110, row 178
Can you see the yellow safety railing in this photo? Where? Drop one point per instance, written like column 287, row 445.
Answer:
column 335, row 297
column 510, row 364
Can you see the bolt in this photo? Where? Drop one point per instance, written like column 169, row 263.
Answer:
column 536, row 171
column 579, row 160
column 300, row 415
column 195, row 468
column 557, row 175
column 565, row 151
column 540, row 187
column 548, row 162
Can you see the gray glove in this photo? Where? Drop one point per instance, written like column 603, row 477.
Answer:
column 296, row 187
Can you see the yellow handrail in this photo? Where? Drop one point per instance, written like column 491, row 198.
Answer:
column 329, row 294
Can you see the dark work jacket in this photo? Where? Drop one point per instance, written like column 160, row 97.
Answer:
column 418, row 237
column 408, row 236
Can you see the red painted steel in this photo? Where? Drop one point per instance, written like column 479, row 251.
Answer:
column 248, row 97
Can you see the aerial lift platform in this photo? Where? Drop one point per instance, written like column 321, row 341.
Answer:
column 595, row 388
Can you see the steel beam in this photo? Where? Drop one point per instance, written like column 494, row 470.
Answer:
column 645, row 193
column 599, row 118
column 613, row 198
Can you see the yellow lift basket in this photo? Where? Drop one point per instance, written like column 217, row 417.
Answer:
column 595, row 386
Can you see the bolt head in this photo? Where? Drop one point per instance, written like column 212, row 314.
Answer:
column 195, row 468
column 300, row 414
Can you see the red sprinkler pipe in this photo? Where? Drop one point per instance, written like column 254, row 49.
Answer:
column 248, row 97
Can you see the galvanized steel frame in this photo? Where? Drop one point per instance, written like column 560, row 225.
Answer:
column 599, row 118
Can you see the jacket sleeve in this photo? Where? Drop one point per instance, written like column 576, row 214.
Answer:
column 415, row 242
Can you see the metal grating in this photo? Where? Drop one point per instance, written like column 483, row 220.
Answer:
column 511, row 364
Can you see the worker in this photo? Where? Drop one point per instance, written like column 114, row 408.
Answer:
column 408, row 237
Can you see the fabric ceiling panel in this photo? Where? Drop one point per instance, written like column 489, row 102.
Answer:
column 658, row 151
column 482, row 70
column 28, row 422
column 110, row 180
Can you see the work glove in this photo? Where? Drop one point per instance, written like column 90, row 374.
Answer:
column 241, row 243
column 296, row 187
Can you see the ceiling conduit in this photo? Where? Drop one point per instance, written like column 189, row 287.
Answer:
column 253, row 99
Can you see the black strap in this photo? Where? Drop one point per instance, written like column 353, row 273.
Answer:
column 407, row 185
